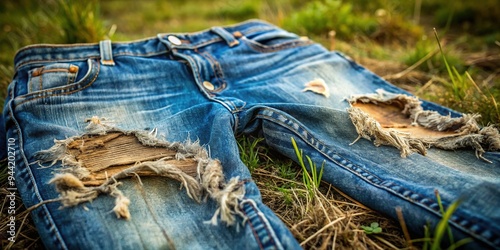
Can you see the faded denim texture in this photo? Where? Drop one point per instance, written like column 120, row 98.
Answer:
column 208, row 87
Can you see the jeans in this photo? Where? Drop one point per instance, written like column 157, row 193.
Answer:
column 136, row 141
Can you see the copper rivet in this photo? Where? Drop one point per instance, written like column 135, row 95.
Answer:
column 36, row 72
column 237, row 34
column 73, row 69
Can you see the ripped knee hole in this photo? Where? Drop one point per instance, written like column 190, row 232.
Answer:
column 400, row 121
column 92, row 164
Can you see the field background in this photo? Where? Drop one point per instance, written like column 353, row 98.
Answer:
column 395, row 39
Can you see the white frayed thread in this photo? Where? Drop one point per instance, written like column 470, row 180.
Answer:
column 467, row 131
column 228, row 195
column 121, row 202
column 72, row 190
column 368, row 128
column 210, row 178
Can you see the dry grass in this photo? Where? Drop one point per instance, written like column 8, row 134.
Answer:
column 328, row 220
column 26, row 232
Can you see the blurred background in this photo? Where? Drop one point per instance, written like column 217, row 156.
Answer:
column 395, row 39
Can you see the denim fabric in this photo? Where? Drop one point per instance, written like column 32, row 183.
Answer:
column 210, row 86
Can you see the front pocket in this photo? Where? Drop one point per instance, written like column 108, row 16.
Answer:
column 59, row 79
column 51, row 76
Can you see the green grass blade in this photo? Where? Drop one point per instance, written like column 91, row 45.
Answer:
column 444, row 59
column 427, row 237
column 321, row 172
column 313, row 169
column 460, row 243
column 306, row 178
column 441, row 209
column 459, row 77
column 442, row 226
column 297, row 152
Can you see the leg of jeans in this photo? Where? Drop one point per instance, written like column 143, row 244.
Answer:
column 384, row 181
column 301, row 90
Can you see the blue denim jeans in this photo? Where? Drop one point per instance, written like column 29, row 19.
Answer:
column 136, row 141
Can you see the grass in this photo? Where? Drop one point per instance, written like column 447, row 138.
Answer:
column 251, row 152
column 318, row 215
column 310, row 180
column 459, row 70
column 434, row 240
column 464, row 90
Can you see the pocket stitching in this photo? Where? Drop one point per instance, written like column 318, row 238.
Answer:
column 85, row 83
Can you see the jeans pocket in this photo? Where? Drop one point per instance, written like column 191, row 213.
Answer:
column 275, row 40
column 52, row 75
column 58, row 79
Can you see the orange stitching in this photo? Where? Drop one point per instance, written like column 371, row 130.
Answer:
column 40, row 83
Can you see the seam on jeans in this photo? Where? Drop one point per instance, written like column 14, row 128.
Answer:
column 29, row 179
column 262, row 221
column 142, row 54
column 234, row 110
column 406, row 194
column 61, row 90
column 196, row 73
column 83, row 58
column 96, row 56
column 474, row 227
column 199, row 80
column 331, row 154
column 254, row 232
column 258, row 29
column 217, row 70
column 238, row 109
column 200, row 44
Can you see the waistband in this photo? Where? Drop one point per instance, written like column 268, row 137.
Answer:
column 162, row 43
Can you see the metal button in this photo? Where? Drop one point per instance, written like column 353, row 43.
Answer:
column 208, row 85
column 174, row 40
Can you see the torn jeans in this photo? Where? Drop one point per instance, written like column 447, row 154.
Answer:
column 136, row 140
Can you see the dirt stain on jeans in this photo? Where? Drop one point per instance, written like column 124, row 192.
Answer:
column 93, row 164
column 400, row 121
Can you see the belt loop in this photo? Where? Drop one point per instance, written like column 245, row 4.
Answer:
column 228, row 37
column 106, row 53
